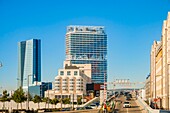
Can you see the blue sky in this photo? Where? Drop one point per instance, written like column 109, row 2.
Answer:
column 131, row 25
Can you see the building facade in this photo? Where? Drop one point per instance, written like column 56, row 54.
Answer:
column 147, row 87
column 72, row 80
column 39, row 89
column 88, row 45
column 29, row 62
column 160, row 67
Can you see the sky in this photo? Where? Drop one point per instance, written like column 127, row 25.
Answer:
column 131, row 27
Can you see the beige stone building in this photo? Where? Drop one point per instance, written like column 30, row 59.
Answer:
column 71, row 81
column 160, row 67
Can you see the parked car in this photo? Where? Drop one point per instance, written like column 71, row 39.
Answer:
column 66, row 109
column 88, row 107
column 126, row 104
column 80, row 108
column 99, row 107
column 94, row 106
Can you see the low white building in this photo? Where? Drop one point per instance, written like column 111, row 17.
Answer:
column 71, row 81
column 50, row 94
column 142, row 94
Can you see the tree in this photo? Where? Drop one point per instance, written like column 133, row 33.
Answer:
column 55, row 101
column 29, row 97
column 4, row 98
column 19, row 96
column 79, row 100
column 37, row 99
column 51, row 102
column 66, row 101
column 45, row 100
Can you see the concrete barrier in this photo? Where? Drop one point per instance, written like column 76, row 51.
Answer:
column 146, row 107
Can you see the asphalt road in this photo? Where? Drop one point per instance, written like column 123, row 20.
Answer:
column 134, row 107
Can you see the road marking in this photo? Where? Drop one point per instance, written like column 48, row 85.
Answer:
column 127, row 110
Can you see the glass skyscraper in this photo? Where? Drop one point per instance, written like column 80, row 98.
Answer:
column 29, row 62
column 88, row 45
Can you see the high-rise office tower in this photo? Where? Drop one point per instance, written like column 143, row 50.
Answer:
column 88, row 45
column 29, row 62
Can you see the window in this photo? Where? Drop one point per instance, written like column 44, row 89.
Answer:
column 75, row 72
column 71, row 79
column 68, row 73
column 61, row 72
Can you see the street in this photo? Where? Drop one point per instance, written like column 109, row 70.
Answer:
column 135, row 108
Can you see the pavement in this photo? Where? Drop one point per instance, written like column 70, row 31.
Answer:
column 135, row 107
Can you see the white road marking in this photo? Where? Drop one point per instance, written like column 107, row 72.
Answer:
column 127, row 110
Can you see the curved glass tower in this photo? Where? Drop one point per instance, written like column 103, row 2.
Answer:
column 88, row 45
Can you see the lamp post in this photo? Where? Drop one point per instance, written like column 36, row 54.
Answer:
column 28, row 90
column 73, row 101
column 61, row 100
column 105, row 91
column 48, row 95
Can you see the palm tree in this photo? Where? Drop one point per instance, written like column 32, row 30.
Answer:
column 55, row 101
column 37, row 99
column 19, row 96
column 79, row 100
column 45, row 100
column 51, row 102
column 66, row 101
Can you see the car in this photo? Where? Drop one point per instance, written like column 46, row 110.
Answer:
column 80, row 108
column 66, row 109
column 97, row 103
column 94, row 106
column 88, row 107
column 126, row 104
column 99, row 107
column 128, row 98
column 129, row 95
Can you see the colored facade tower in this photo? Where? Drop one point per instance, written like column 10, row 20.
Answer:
column 88, row 45
column 29, row 62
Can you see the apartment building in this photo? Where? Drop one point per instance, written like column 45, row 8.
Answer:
column 72, row 79
column 160, row 68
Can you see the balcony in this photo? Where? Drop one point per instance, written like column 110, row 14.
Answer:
column 72, row 82
column 78, row 85
column 79, row 82
column 57, row 85
column 57, row 82
column 64, row 82
column 71, row 88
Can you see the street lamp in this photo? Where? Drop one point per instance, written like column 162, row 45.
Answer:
column 48, row 95
column 28, row 90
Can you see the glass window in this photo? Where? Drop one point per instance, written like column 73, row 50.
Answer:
column 75, row 72
column 61, row 72
column 68, row 72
